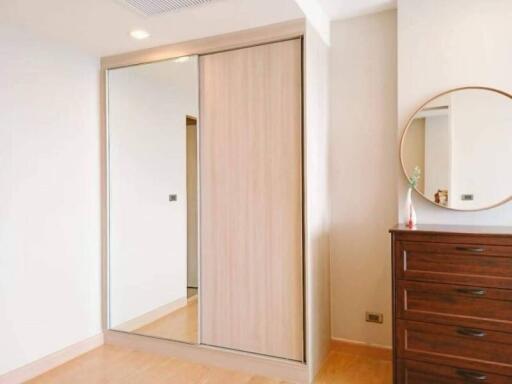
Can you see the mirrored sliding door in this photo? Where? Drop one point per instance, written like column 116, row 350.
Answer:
column 153, row 176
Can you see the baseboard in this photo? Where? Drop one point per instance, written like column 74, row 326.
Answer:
column 286, row 370
column 49, row 362
column 374, row 351
column 151, row 316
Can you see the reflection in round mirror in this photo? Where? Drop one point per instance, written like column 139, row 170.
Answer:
column 461, row 141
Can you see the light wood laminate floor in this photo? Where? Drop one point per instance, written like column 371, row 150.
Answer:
column 178, row 325
column 115, row 365
column 352, row 368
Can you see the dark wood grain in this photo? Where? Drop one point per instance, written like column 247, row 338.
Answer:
column 482, row 265
column 455, row 304
column 454, row 234
column 417, row 372
column 473, row 230
column 445, row 344
column 394, row 266
column 452, row 304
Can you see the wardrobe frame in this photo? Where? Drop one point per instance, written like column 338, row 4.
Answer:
column 231, row 359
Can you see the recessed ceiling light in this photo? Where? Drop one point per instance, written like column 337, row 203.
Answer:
column 139, row 34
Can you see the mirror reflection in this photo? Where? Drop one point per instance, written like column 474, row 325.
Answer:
column 153, row 173
column 462, row 143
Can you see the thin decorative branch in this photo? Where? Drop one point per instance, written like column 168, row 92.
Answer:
column 416, row 176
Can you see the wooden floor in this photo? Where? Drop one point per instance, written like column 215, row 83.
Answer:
column 116, row 365
column 179, row 325
column 353, row 364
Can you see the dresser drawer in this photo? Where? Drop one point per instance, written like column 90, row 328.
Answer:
column 483, row 265
column 489, row 308
column 472, row 349
column 417, row 372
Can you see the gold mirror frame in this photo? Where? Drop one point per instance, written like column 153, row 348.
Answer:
column 404, row 134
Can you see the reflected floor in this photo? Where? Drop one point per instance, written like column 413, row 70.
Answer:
column 180, row 324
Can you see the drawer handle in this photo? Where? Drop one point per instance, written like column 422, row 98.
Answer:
column 472, row 291
column 471, row 375
column 470, row 249
column 470, row 332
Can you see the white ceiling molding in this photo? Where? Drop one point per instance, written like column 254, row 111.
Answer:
column 317, row 17
column 344, row 9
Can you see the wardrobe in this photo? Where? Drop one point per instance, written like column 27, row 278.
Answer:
column 251, row 199
column 243, row 97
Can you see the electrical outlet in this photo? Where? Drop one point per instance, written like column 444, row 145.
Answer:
column 374, row 317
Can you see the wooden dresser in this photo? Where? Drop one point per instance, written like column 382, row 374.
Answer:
column 452, row 304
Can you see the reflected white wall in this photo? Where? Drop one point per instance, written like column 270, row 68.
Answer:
column 147, row 108
column 482, row 148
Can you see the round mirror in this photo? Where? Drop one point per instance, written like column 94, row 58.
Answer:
column 458, row 146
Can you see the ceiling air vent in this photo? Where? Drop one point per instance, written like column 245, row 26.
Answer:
column 156, row 7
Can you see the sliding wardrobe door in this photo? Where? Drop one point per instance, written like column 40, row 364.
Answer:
column 251, row 200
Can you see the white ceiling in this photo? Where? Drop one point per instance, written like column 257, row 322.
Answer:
column 101, row 27
column 342, row 9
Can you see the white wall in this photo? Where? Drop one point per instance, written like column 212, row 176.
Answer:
column 148, row 105
column 364, row 164
column 49, row 198
column 318, row 298
column 443, row 45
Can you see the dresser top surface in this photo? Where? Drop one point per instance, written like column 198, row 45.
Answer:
column 454, row 229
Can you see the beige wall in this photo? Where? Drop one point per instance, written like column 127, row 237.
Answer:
column 364, row 165
column 367, row 187
column 443, row 45
column 318, row 300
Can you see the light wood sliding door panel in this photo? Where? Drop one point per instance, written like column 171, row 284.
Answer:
column 251, row 200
